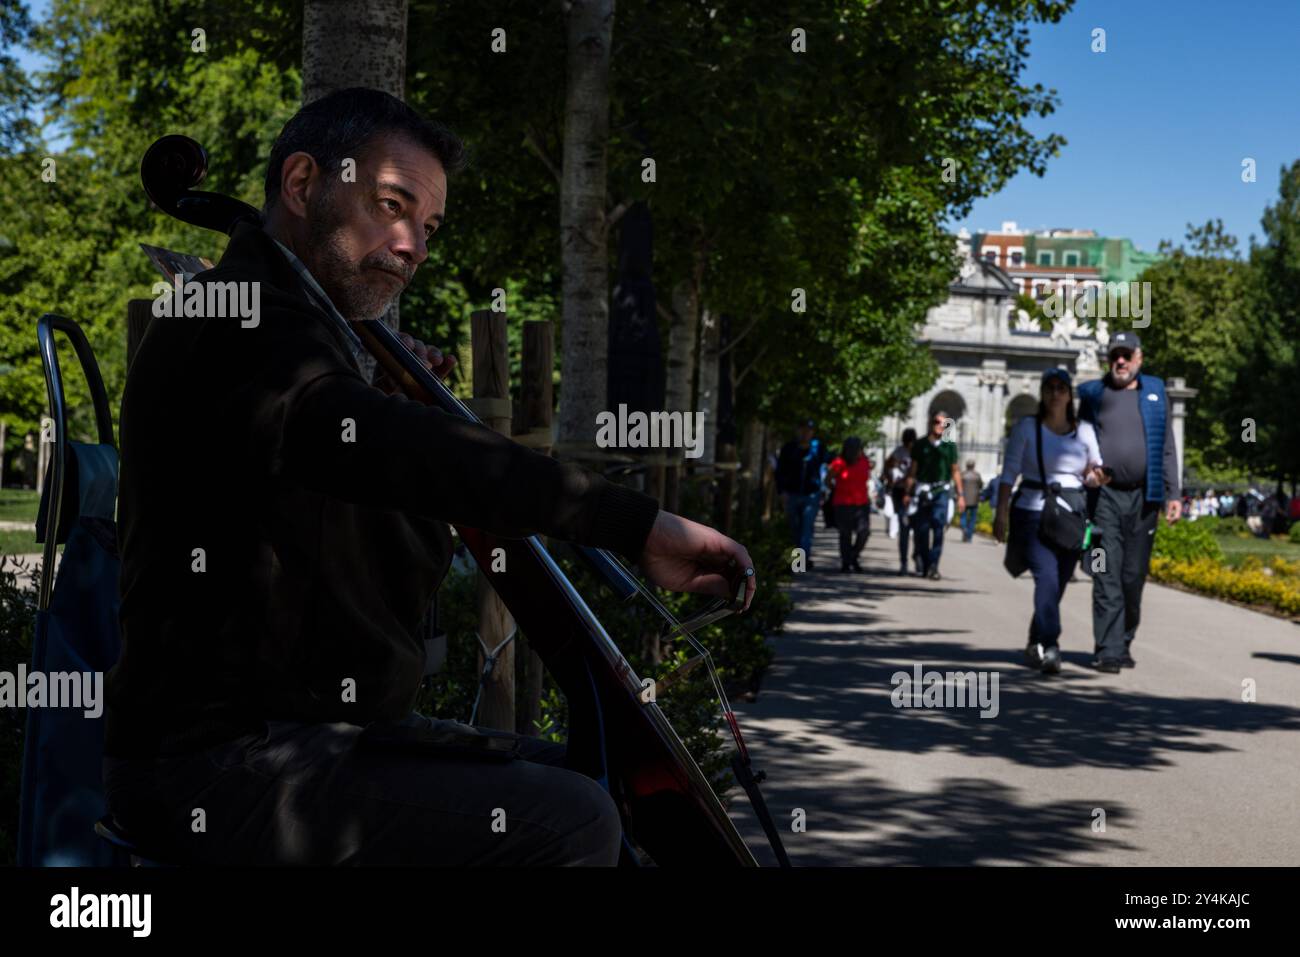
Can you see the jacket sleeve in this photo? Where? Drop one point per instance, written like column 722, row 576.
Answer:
column 321, row 426
column 1169, row 464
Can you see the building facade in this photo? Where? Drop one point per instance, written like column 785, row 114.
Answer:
column 991, row 362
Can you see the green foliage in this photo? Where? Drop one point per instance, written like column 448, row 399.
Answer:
column 1293, row 533
column 1186, row 541
column 819, row 170
column 740, row 648
column 1265, row 388
column 1200, row 303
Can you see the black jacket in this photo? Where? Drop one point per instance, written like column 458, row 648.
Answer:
column 798, row 471
column 320, row 556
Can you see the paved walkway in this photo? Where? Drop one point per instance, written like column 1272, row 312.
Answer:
column 1186, row 773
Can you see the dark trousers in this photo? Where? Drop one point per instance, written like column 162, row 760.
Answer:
column 314, row 794
column 853, row 522
column 1051, row 569
column 968, row 522
column 929, row 523
column 904, row 525
column 1128, row 526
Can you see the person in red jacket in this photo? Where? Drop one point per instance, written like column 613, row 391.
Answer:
column 847, row 476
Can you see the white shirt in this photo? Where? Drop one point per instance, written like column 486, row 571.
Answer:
column 1066, row 458
column 902, row 462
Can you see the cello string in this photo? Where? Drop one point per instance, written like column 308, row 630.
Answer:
column 700, row 649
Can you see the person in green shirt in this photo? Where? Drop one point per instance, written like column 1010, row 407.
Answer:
column 932, row 478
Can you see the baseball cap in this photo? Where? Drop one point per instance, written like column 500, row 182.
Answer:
column 1124, row 340
column 1057, row 373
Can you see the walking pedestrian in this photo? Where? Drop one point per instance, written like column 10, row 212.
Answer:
column 799, row 480
column 1130, row 412
column 932, row 478
column 1069, row 456
column 972, row 484
column 896, row 468
column 847, row 477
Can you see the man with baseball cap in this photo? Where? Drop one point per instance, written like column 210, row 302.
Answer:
column 799, row 481
column 1130, row 413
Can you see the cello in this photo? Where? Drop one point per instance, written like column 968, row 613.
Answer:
column 618, row 736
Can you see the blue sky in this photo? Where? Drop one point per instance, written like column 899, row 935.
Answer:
column 1158, row 125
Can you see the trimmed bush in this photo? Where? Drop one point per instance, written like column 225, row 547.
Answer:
column 1253, row 583
column 1187, row 542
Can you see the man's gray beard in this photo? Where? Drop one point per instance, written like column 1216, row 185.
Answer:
column 343, row 281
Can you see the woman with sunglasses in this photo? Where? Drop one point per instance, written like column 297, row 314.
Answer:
column 1070, row 458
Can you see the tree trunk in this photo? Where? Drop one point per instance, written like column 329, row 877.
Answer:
column 710, row 343
column 751, row 483
column 345, row 44
column 683, row 329
column 584, row 343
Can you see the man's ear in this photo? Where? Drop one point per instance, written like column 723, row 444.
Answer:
column 299, row 178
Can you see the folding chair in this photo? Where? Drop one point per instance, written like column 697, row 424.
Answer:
column 62, row 796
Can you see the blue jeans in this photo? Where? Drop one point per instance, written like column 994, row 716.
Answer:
column 968, row 522
column 801, row 512
column 928, row 524
column 1051, row 569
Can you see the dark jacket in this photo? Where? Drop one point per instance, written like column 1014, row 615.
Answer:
column 798, row 471
column 320, row 555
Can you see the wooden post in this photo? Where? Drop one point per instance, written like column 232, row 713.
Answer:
column 537, row 404
column 491, row 402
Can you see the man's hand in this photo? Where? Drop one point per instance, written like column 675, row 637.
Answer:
column 682, row 555
column 1173, row 510
column 1095, row 477
column 961, row 503
column 432, row 357
column 1000, row 526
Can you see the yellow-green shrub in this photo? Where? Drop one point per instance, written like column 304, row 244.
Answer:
column 1252, row 583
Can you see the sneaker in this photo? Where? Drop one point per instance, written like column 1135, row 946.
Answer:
column 902, row 570
column 934, row 574
column 857, row 566
column 1052, row 660
column 1110, row 666
column 1126, row 661
column 1034, row 655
